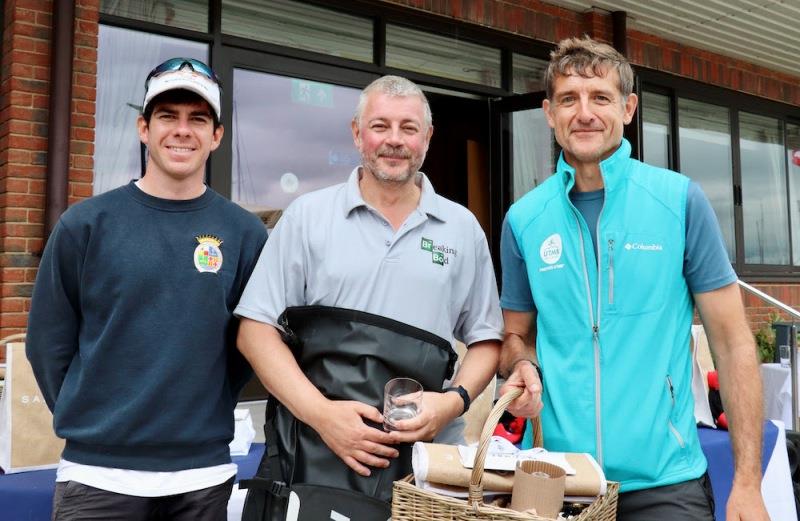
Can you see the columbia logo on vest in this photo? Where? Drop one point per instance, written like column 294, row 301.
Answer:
column 643, row 247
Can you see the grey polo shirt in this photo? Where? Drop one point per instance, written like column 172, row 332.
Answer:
column 331, row 248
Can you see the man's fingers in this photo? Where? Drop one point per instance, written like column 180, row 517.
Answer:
column 356, row 466
column 370, row 459
column 380, row 449
column 368, row 412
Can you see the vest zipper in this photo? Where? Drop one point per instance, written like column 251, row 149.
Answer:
column 671, row 426
column 595, row 324
column 598, row 423
column 611, row 271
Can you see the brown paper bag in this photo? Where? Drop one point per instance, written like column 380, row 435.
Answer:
column 27, row 440
column 538, row 486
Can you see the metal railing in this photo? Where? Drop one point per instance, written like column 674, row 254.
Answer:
column 792, row 341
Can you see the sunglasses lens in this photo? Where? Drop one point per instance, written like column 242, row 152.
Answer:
column 176, row 64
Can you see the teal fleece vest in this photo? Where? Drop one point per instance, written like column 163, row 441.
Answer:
column 613, row 336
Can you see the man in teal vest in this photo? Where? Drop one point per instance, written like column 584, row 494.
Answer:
column 609, row 256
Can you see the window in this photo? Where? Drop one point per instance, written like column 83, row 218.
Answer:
column 533, row 151
column 290, row 136
column 765, row 219
column 656, row 129
column 705, row 156
column 793, row 157
column 300, row 26
column 186, row 14
column 745, row 154
column 442, row 56
column 120, row 79
column 527, row 73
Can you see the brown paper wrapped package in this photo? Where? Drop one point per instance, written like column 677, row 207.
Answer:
column 444, row 468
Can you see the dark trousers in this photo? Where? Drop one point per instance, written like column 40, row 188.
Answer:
column 75, row 501
column 691, row 500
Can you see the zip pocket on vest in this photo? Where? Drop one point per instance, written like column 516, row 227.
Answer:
column 671, row 426
column 611, row 271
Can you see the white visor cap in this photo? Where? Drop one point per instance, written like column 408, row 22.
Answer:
column 186, row 79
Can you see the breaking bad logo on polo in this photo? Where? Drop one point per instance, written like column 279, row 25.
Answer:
column 207, row 255
column 440, row 254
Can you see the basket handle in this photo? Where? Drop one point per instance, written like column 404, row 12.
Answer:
column 476, row 480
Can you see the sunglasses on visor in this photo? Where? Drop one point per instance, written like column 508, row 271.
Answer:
column 176, row 64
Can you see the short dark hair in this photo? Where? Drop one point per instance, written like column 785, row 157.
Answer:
column 587, row 58
column 179, row 96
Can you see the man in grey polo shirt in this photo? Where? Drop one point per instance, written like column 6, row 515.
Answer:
column 383, row 243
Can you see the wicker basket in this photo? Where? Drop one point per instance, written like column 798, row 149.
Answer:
column 410, row 503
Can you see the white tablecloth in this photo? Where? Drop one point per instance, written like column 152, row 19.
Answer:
column 777, row 393
column 776, row 487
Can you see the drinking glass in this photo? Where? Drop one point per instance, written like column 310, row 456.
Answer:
column 402, row 400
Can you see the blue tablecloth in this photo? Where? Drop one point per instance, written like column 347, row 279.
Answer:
column 719, row 453
column 28, row 496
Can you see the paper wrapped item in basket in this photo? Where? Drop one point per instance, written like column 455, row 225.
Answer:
column 438, row 468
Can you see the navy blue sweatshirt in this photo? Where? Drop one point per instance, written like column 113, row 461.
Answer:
column 131, row 333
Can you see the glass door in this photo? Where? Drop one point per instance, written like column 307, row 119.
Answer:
column 524, row 152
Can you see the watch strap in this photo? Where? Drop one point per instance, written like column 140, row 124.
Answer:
column 464, row 396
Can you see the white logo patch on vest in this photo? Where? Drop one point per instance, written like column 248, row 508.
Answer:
column 208, row 255
column 550, row 252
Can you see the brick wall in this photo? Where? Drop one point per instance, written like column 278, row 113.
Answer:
column 24, row 102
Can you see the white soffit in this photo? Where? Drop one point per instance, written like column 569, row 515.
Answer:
column 762, row 32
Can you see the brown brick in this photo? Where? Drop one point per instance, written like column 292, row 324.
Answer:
column 12, row 305
column 13, row 185
column 24, row 15
column 84, row 92
column 33, row 31
column 17, row 258
column 14, row 319
column 81, row 189
column 35, row 216
column 10, row 215
column 24, row 201
column 19, row 230
column 36, row 186
column 30, row 85
column 27, row 142
column 27, row 171
column 38, row 5
column 31, row 58
column 21, row 99
column 83, row 134
column 12, row 275
column 80, row 175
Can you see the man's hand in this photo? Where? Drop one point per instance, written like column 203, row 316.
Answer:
column 341, row 426
column 746, row 504
column 525, row 377
column 438, row 409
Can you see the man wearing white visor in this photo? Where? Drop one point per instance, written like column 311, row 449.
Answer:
column 131, row 332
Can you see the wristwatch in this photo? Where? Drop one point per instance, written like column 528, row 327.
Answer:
column 464, row 396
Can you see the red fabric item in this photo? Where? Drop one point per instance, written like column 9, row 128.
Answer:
column 514, row 432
